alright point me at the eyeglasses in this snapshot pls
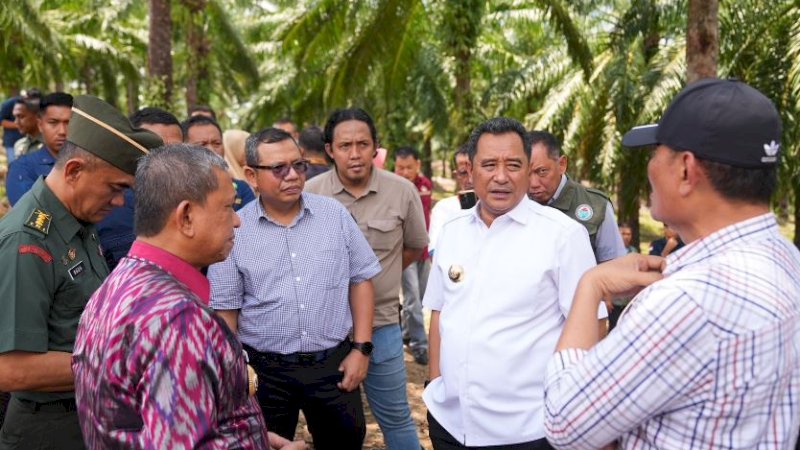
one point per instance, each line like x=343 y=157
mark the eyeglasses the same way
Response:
x=282 y=169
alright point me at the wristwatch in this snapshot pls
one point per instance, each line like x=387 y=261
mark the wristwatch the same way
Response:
x=364 y=347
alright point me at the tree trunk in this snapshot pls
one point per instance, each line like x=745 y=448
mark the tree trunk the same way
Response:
x=427 y=155
x=197 y=85
x=702 y=40
x=797 y=214
x=159 y=49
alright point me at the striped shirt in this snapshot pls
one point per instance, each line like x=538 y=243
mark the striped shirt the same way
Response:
x=707 y=358
x=291 y=283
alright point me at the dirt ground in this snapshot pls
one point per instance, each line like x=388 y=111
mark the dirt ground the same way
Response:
x=374 y=440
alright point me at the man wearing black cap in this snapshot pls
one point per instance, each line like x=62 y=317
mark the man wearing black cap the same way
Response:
x=52 y=262
x=706 y=355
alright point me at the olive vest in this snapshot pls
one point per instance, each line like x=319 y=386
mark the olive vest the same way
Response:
x=585 y=205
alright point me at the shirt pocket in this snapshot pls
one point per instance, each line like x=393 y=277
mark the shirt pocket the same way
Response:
x=383 y=234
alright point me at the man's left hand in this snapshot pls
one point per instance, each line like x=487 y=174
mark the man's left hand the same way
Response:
x=354 y=370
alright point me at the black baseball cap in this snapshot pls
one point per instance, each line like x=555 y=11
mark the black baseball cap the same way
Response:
x=725 y=121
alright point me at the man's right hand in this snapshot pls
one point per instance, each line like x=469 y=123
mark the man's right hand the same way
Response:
x=277 y=442
x=624 y=276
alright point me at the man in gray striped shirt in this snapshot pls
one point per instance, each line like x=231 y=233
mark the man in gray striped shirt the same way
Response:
x=296 y=283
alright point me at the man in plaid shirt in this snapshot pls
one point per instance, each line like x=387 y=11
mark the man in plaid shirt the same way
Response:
x=706 y=356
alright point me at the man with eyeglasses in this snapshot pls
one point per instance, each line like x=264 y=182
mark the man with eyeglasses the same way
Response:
x=549 y=185
x=297 y=282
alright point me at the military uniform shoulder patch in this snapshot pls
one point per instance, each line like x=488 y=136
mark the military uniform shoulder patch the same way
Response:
x=36 y=250
x=584 y=212
x=39 y=221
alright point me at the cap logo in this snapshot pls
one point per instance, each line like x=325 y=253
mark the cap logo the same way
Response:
x=111 y=129
x=771 y=150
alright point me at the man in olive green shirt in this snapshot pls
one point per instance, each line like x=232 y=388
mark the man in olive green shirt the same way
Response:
x=52 y=262
x=388 y=210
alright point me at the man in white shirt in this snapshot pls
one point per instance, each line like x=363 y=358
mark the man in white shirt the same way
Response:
x=447 y=208
x=501 y=284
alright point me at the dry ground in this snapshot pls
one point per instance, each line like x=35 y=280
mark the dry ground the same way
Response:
x=374 y=440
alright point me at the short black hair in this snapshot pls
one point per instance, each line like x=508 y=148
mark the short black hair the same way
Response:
x=55 y=99
x=548 y=140
x=311 y=140
x=266 y=136
x=195 y=121
x=31 y=99
x=153 y=115
x=462 y=149
x=345 y=114
x=405 y=152
x=495 y=126
x=754 y=186
x=202 y=108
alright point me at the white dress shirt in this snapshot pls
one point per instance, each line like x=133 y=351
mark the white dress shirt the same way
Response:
x=500 y=322
x=444 y=210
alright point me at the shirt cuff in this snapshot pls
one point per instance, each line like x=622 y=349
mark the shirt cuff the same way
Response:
x=561 y=361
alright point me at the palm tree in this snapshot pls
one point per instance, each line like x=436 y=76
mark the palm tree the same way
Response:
x=702 y=40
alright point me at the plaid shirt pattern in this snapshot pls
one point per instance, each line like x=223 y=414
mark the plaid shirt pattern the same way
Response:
x=706 y=358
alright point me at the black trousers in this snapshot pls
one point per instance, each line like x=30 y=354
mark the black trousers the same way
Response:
x=335 y=418
x=48 y=427
x=442 y=440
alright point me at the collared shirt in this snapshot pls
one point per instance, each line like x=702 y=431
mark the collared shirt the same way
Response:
x=156 y=368
x=292 y=282
x=51 y=264
x=10 y=135
x=27 y=144
x=706 y=358
x=425 y=189
x=24 y=171
x=608 y=240
x=390 y=216
x=499 y=323
x=444 y=210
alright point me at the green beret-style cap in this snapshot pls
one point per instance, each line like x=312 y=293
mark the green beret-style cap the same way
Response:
x=102 y=130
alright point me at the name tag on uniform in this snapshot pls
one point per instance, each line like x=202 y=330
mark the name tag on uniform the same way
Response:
x=76 y=270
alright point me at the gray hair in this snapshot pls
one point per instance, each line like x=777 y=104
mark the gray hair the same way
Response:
x=169 y=175
x=265 y=136
x=70 y=151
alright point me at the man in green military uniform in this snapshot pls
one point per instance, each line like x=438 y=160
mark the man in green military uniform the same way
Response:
x=52 y=262
x=549 y=185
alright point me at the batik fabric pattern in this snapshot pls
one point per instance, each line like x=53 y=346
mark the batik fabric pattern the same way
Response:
x=155 y=368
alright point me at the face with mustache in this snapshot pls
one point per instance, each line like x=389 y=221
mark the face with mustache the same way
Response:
x=277 y=193
x=499 y=173
x=352 y=150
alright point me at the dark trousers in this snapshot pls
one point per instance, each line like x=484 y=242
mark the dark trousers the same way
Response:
x=4 y=398
x=40 y=427
x=288 y=384
x=442 y=440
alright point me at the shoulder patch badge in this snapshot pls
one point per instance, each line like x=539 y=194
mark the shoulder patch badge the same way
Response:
x=584 y=212
x=39 y=221
x=36 y=250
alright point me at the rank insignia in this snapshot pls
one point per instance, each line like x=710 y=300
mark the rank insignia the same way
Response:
x=456 y=273
x=39 y=221
x=71 y=254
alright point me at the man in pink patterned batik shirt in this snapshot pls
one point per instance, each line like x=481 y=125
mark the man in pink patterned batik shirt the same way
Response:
x=154 y=365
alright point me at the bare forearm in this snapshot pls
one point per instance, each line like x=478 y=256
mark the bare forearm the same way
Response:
x=581 y=329
x=231 y=318
x=362 y=307
x=25 y=371
x=410 y=255
x=434 y=342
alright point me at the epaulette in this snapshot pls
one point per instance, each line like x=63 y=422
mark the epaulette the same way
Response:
x=39 y=221
x=598 y=192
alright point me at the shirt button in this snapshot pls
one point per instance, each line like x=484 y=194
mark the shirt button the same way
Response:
x=303 y=333
x=302 y=306
x=297 y=279
x=293 y=255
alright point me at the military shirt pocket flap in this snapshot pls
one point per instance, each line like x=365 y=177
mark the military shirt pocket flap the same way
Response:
x=383 y=234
